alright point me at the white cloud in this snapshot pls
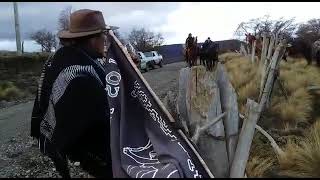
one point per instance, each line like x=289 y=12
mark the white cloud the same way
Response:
x=219 y=20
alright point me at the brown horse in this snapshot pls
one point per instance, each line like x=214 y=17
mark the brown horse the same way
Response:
x=209 y=55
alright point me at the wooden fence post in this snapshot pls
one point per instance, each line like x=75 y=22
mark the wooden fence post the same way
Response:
x=229 y=105
x=253 y=51
x=271 y=76
x=245 y=139
x=243 y=50
x=199 y=103
x=265 y=44
x=263 y=61
x=271 y=45
x=254 y=112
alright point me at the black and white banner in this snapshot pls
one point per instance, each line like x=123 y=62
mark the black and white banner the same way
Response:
x=143 y=143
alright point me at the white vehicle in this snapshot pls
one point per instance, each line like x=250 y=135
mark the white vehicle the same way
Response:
x=155 y=57
x=145 y=62
x=138 y=57
x=133 y=53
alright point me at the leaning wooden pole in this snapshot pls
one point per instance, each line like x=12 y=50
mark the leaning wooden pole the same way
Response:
x=245 y=139
x=254 y=112
x=243 y=50
x=272 y=75
x=271 y=45
x=229 y=105
x=253 y=51
x=263 y=66
x=265 y=43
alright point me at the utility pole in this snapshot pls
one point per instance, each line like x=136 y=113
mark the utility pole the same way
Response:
x=17 y=28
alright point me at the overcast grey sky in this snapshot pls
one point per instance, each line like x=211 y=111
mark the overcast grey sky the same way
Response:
x=173 y=19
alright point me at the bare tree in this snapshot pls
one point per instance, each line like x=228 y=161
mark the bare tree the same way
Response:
x=118 y=35
x=306 y=35
x=309 y=31
x=46 y=39
x=282 y=27
x=64 y=18
x=144 y=40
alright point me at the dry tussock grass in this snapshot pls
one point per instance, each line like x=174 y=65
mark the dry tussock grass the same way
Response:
x=296 y=109
x=244 y=78
x=303 y=160
x=258 y=167
x=302 y=155
x=8 y=91
x=293 y=81
x=247 y=91
x=229 y=56
x=296 y=76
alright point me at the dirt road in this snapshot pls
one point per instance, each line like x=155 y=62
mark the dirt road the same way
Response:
x=19 y=156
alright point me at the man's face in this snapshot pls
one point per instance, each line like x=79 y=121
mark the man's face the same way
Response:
x=99 y=44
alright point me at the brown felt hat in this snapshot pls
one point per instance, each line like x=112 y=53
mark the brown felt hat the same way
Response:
x=84 y=22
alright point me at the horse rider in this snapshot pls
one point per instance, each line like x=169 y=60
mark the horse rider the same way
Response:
x=189 y=44
x=206 y=43
x=189 y=41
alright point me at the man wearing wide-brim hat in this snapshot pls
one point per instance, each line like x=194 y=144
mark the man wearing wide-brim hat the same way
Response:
x=70 y=114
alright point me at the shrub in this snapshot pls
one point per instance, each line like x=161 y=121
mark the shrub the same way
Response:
x=8 y=91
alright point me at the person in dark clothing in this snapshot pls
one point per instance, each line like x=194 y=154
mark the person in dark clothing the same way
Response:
x=189 y=41
x=71 y=113
x=206 y=43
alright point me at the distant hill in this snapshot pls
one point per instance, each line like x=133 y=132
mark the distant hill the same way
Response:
x=173 y=52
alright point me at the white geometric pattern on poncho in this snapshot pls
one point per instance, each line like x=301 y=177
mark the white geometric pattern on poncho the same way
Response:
x=59 y=86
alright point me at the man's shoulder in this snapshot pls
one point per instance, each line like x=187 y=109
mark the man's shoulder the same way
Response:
x=85 y=87
x=74 y=71
x=71 y=62
x=63 y=51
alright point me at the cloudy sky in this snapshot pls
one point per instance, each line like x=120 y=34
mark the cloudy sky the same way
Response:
x=174 y=20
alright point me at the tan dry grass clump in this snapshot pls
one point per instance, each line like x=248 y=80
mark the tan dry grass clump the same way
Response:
x=258 y=167
x=247 y=91
x=8 y=91
x=225 y=57
x=303 y=159
x=295 y=75
x=296 y=109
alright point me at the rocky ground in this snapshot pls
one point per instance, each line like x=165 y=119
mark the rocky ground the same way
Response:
x=19 y=154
